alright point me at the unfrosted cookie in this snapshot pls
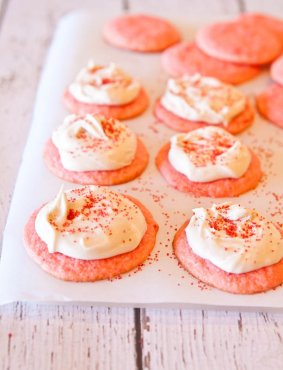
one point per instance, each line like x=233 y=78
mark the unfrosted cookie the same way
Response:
x=274 y=24
x=187 y=58
x=216 y=189
x=237 y=125
x=111 y=177
x=270 y=104
x=140 y=32
x=251 y=282
x=72 y=269
x=277 y=70
x=239 y=41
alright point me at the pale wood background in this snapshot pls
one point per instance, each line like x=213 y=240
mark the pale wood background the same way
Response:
x=87 y=337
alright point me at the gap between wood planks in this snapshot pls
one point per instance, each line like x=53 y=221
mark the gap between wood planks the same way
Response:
x=137 y=311
x=3 y=9
x=125 y=5
x=242 y=6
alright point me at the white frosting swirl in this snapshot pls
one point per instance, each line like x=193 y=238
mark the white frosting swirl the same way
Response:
x=203 y=99
x=108 y=85
x=90 y=223
x=234 y=238
x=94 y=143
x=208 y=154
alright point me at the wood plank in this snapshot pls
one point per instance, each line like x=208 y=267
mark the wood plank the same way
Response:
x=273 y=7
x=183 y=8
x=66 y=338
x=3 y=8
x=188 y=339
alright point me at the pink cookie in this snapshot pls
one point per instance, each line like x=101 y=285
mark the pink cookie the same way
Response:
x=275 y=25
x=270 y=104
x=140 y=32
x=216 y=189
x=72 y=269
x=277 y=70
x=240 y=41
x=187 y=58
x=256 y=281
x=237 y=124
x=113 y=177
x=120 y=112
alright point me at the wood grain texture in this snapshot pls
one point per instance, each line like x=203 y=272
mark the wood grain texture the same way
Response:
x=85 y=337
x=66 y=338
x=3 y=8
x=187 y=339
x=185 y=8
x=274 y=7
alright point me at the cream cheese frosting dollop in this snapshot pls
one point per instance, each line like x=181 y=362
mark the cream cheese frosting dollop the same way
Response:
x=94 y=143
x=208 y=154
x=109 y=85
x=203 y=99
x=90 y=223
x=234 y=238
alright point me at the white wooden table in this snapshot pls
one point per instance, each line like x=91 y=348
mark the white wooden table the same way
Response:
x=87 y=337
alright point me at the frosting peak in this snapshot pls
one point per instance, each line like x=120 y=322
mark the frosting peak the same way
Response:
x=90 y=125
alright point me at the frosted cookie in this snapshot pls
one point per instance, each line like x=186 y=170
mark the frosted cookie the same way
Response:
x=273 y=24
x=231 y=248
x=270 y=103
x=209 y=162
x=239 y=41
x=105 y=90
x=90 y=233
x=94 y=150
x=277 y=70
x=187 y=58
x=191 y=102
x=139 y=32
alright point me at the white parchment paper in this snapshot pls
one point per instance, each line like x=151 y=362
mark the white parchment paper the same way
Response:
x=160 y=282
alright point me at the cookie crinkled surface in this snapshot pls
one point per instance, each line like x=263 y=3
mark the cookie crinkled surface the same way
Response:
x=270 y=103
x=187 y=58
x=239 y=41
x=140 y=32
